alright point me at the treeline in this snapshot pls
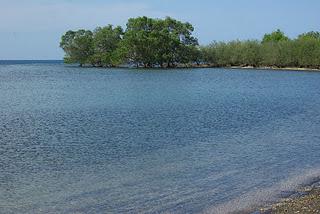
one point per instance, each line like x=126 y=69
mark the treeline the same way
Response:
x=275 y=50
x=148 y=42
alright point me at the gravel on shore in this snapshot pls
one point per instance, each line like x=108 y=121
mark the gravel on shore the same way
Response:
x=309 y=203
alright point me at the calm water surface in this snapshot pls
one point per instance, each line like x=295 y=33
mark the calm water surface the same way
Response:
x=76 y=140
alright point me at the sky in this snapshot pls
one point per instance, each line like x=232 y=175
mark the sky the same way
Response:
x=31 y=29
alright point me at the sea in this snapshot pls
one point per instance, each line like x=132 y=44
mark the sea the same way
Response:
x=118 y=140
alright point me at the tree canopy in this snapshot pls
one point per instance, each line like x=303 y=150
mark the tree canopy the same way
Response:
x=148 y=42
x=78 y=46
x=153 y=42
x=275 y=36
x=106 y=41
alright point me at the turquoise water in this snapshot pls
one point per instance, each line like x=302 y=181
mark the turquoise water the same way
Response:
x=85 y=140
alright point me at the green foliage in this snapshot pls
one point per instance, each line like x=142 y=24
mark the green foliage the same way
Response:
x=252 y=53
x=308 y=52
x=309 y=35
x=140 y=41
x=234 y=53
x=106 y=42
x=146 y=42
x=275 y=50
x=149 y=42
x=78 y=46
x=153 y=42
x=276 y=36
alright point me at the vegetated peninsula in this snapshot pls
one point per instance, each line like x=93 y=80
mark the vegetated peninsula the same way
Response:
x=166 y=43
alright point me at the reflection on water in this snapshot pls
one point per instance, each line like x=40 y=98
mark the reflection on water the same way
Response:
x=78 y=140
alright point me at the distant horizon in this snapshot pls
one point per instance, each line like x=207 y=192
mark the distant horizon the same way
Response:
x=31 y=60
x=61 y=59
x=32 y=29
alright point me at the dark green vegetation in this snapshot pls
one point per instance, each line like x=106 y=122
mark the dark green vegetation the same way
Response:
x=148 y=42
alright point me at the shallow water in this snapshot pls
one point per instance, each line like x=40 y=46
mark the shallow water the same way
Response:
x=84 y=140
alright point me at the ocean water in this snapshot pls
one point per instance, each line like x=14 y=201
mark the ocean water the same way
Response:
x=88 y=140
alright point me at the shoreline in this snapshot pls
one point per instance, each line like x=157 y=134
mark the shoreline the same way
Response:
x=293 y=193
x=305 y=199
x=276 y=68
x=210 y=66
x=258 y=68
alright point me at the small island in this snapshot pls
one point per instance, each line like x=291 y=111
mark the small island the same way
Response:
x=169 y=43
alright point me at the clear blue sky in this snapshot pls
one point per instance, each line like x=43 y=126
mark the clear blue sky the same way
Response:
x=31 y=29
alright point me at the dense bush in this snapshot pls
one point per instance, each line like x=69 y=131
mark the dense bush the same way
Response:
x=149 y=42
x=275 y=50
